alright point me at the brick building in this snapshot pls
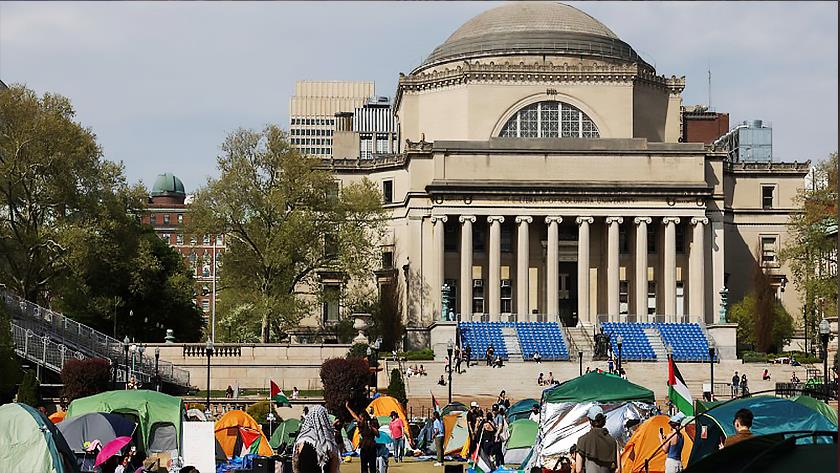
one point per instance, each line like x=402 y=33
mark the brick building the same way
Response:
x=699 y=125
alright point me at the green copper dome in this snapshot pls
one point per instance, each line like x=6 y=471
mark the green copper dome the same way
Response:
x=168 y=184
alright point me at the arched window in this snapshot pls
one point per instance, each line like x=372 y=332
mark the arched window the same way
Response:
x=550 y=119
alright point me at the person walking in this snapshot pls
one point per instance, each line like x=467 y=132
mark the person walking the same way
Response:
x=673 y=444
x=397 y=428
x=597 y=451
x=437 y=427
x=487 y=433
x=467 y=354
x=502 y=435
x=315 y=447
x=736 y=381
x=743 y=422
x=457 y=360
x=368 y=431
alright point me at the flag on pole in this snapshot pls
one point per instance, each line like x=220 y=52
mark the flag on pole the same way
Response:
x=278 y=396
x=678 y=391
x=480 y=462
x=435 y=404
x=250 y=440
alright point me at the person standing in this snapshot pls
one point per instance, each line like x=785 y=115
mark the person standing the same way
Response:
x=473 y=421
x=502 y=435
x=367 y=439
x=597 y=451
x=743 y=422
x=437 y=428
x=744 y=390
x=610 y=365
x=315 y=448
x=674 y=445
x=736 y=381
x=467 y=354
x=397 y=428
x=487 y=433
x=457 y=360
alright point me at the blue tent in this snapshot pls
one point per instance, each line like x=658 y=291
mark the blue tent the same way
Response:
x=771 y=415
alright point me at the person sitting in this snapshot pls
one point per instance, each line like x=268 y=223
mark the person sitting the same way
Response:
x=537 y=357
x=422 y=371
x=550 y=380
x=442 y=381
x=766 y=375
x=295 y=393
x=540 y=380
x=229 y=392
x=498 y=363
x=794 y=379
x=588 y=370
x=534 y=416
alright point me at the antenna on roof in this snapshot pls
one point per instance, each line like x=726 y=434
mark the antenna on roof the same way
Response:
x=710 y=86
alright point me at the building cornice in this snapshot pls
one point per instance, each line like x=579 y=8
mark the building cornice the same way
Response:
x=769 y=168
x=607 y=189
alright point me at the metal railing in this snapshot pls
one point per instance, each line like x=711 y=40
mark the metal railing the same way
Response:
x=77 y=337
x=42 y=350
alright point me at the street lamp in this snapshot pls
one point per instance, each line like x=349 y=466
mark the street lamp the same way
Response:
x=125 y=349
x=825 y=329
x=580 y=361
x=141 y=349
x=133 y=350
x=449 y=349
x=620 y=341
x=157 y=378
x=131 y=318
x=270 y=418
x=208 y=348
x=712 y=373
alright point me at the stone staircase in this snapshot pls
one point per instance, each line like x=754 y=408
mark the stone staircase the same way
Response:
x=656 y=343
x=511 y=340
x=579 y=339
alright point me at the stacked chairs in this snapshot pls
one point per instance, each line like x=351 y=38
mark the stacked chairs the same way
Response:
x=480 y=335
x=543 y=337
x=635 y=344
x=687 y=340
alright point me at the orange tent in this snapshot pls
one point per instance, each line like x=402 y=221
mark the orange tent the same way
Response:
x=382 y=407
x=57 y=416
x=644 y=443
x=228 y=434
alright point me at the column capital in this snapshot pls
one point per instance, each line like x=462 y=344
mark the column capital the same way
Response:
x=639 y=220
x=495 y=218
x=611 y=220
x=553 y=219
x=439 y=218
x=524 y=218
x=699 y=220
x=670 y=220
x=464 y=218
x=582 y=220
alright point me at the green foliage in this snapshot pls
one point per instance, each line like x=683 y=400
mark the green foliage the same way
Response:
x=345 y=380
x=259 y=410
x=744 y=314
x=9 y=365
x=758 y=357
x=426 y=354
x=284 y=220
x=750 y=356
x=29 y=391
x=344 y=330
x=385 y=308
x=396 y=387
x=86 y=377
x=358 y=350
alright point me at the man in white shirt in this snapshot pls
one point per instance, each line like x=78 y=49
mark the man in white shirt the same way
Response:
x=535 y=414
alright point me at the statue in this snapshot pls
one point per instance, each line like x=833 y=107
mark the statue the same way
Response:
x=446 y=312
x=602 y=341
x=724 y=295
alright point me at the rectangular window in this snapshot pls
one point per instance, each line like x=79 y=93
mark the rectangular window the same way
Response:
x=332 y=192
x=388 y=192
x=450 y=237
x=152 y=219
x=165 y=237
x=768 y=249
x=767 y=196
x=478 y=238
x=219 y=240
x=205 y=305
x=506 y=240
x=679 y=238
x=179 y=239
x=382 y=144
x=206 y=239
x=166 y=219
x=623 y=243
x=332 y=297
x=387 y=260
x=180 y=219
x=623 y=297
x=651 y=298
x=451 y=299
x=330 y=246
x=651 y=238
x=680 y=300
x=366 y=148
x=478 y=296
x=192 y=240
x=506 y=297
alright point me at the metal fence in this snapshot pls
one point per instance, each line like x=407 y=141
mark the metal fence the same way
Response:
x=41 y=322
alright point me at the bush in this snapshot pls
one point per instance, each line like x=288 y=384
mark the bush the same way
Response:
x=196 y=405
x=345 y=379
x=259 y=410
x=754 y=357
x=396 y=387
x=425 y=354
x=86 y=377
x=29 y=392
x=358 y=350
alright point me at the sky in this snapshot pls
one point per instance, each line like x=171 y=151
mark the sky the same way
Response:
x=162 y=83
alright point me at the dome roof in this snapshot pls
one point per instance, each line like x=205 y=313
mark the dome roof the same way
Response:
x=167 y=184
x=532 y=28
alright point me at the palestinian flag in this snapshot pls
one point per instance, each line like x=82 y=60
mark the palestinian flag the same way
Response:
x=278 y=396
x=678 y=391
x=250 y=440
x=480 y=462
x=435 y=404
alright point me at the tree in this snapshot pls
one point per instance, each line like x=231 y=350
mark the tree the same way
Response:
x=286 y=221
x=385 y=309
x=29 y=391
x=9 y=365
x=344 y=380
x=762 y=320
x=259 y=410
x=811 y=251
x=396 y=387
x=86 y=377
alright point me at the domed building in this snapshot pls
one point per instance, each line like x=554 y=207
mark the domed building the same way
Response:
x=542 y=177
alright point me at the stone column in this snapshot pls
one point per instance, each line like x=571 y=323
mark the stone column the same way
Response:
x=438 y=222
x=612 y=266
x=466 y=265
x=583 y=268
x=495 y=266
x=669 y=269
x=552 y=270
x=641 y=267
x=697 y=270
x=522 y=249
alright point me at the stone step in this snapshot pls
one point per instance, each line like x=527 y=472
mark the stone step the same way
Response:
x=656 y=343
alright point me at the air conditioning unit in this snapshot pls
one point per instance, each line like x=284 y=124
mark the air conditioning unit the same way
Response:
x=478 y=283
x=505 y=282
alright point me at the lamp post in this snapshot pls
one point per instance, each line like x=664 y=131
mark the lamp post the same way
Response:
x=208 y=348
x=669 y=353
x=133 y=350
x=620 y=342
x=825 y=330
x=125 y=349
x=157 y=377
x=449 y=349
x=712 y=373
x=270 y=418
x=141 y=349
x=130 y=317
x=580 y=363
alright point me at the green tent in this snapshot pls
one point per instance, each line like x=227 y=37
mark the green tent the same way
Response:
x=521 y=409
x=523 y=435
x=31 y=442
x=159 y=415
x=282 y=433
x=818 y=406
x=597 y=387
